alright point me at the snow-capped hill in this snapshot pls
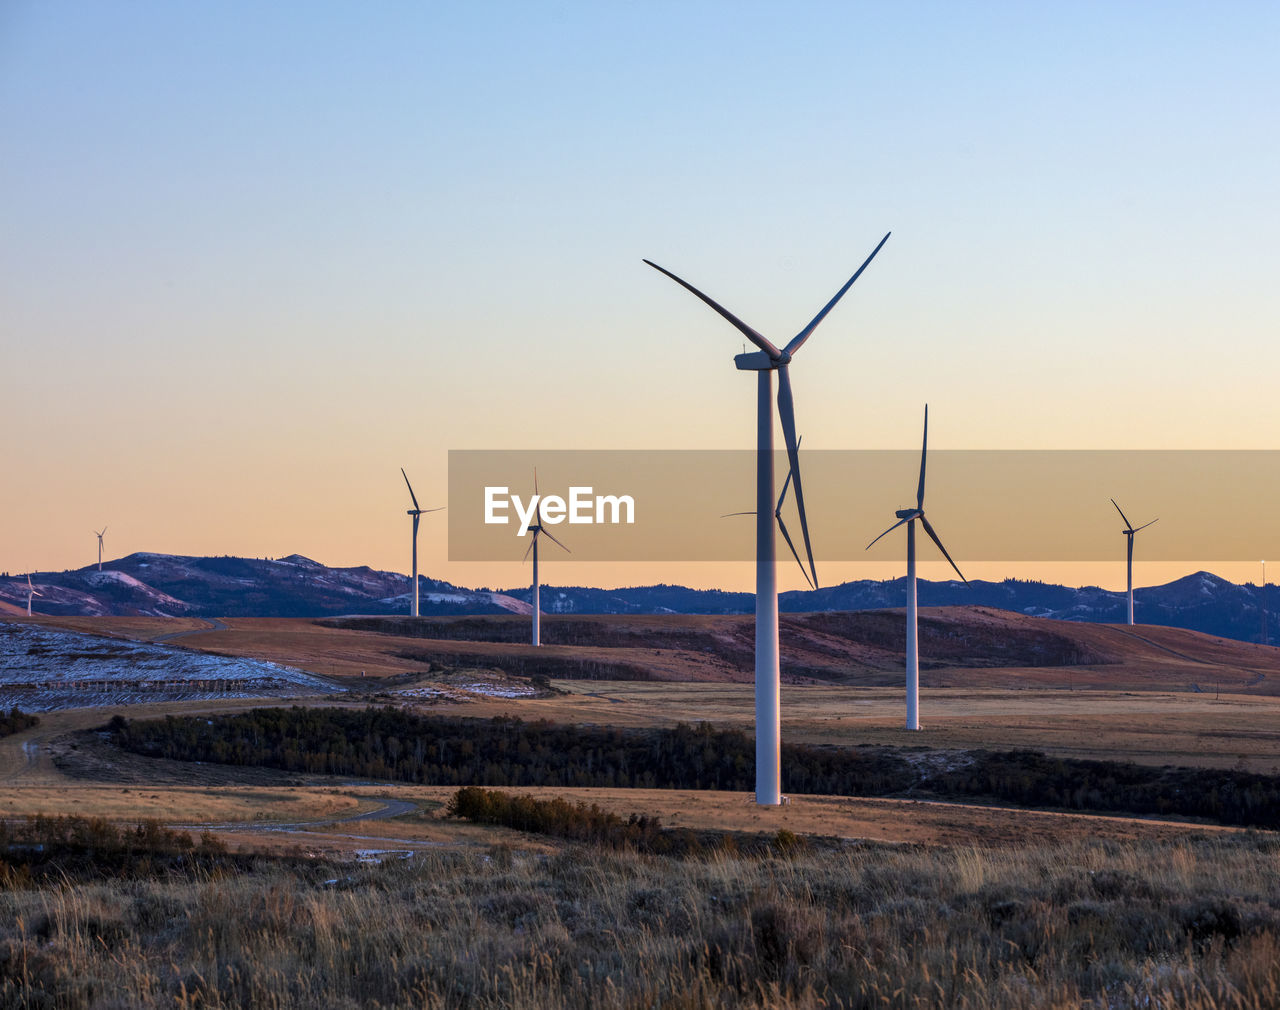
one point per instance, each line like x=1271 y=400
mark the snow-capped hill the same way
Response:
x=148 y=583
x=298 y=561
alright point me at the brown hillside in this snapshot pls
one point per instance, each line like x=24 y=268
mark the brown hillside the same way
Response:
x=959 y=646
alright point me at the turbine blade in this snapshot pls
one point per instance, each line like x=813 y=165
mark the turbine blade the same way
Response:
x=761 y=341
x=530 y=547
x=1145 y=525
x=440 y=509
x=787 y=537
x=786 y=410
x=729 y=515
x=887 y=532
x=785 y=484
x=556 y=542
x=803 y=335
x=924 y=449
x=410 y=486
x=934 y=537
x=1123 y=516
x=535 y=486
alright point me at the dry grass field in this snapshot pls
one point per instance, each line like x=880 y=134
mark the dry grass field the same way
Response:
x=182 y=805
x=339 y=893
x=55 y=768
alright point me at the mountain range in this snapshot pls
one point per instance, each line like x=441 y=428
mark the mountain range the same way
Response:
x=295 y=586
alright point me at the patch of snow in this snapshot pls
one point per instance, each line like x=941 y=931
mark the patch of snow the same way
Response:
x=459 y=690
x=510 y=603
x=379 y=855
x=102 y=578
x=42 y=670
x=445 y=597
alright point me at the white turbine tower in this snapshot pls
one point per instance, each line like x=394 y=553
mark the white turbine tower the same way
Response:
x=31 y=591
x=417 y=514
x=1129 y=531
x=537 y=530
x=99 y=536
x=767 y=360
x=909 y=516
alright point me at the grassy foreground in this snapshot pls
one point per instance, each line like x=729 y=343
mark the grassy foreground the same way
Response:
x=1193 y=924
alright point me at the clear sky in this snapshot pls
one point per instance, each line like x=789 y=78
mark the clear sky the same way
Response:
x=254 y=258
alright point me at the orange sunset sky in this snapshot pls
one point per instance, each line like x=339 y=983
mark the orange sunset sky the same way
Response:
x=256 y=260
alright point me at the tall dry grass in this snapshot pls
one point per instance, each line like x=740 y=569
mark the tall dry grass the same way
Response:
x=1193 y=925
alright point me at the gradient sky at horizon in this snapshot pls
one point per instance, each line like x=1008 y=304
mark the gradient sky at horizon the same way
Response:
x=256 y=258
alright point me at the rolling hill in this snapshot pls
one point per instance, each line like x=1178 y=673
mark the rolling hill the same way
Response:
x=151 y=584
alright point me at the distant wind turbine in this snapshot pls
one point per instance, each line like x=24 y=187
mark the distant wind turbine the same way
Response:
x=417 y=514
x=764 y=362
x=31 y=591
x=1129 y=531
x=538 y=531
x=909 y=516
x=99 y=536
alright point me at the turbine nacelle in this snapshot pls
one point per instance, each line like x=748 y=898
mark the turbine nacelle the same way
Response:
x=909 y=513
x=760 y=361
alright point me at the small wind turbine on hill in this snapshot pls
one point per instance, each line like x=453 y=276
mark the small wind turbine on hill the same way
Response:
x=99 y=536
x=31 y=591
x=764 y=362
x=1129 y=531
x=538 y=531
x=417 y=514
x=909 y=516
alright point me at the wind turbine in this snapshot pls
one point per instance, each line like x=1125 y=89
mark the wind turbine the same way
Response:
x=767 y=360
x=417 y=514
x=99 y=536
x=538 y=531
x=1129 y=531
x=909 y=516
x=782 y=526
x=31 y=591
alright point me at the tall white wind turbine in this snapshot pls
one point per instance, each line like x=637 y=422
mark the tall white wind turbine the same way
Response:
x=538 y=531
x=1129 y=531
x=909 y=516
x=31 y=591
x=417 y=514
x=764 y=362
x=99 y=536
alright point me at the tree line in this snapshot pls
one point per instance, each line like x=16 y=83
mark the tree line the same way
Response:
x=588 y=823
x=16 y=720
x=390 y=743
